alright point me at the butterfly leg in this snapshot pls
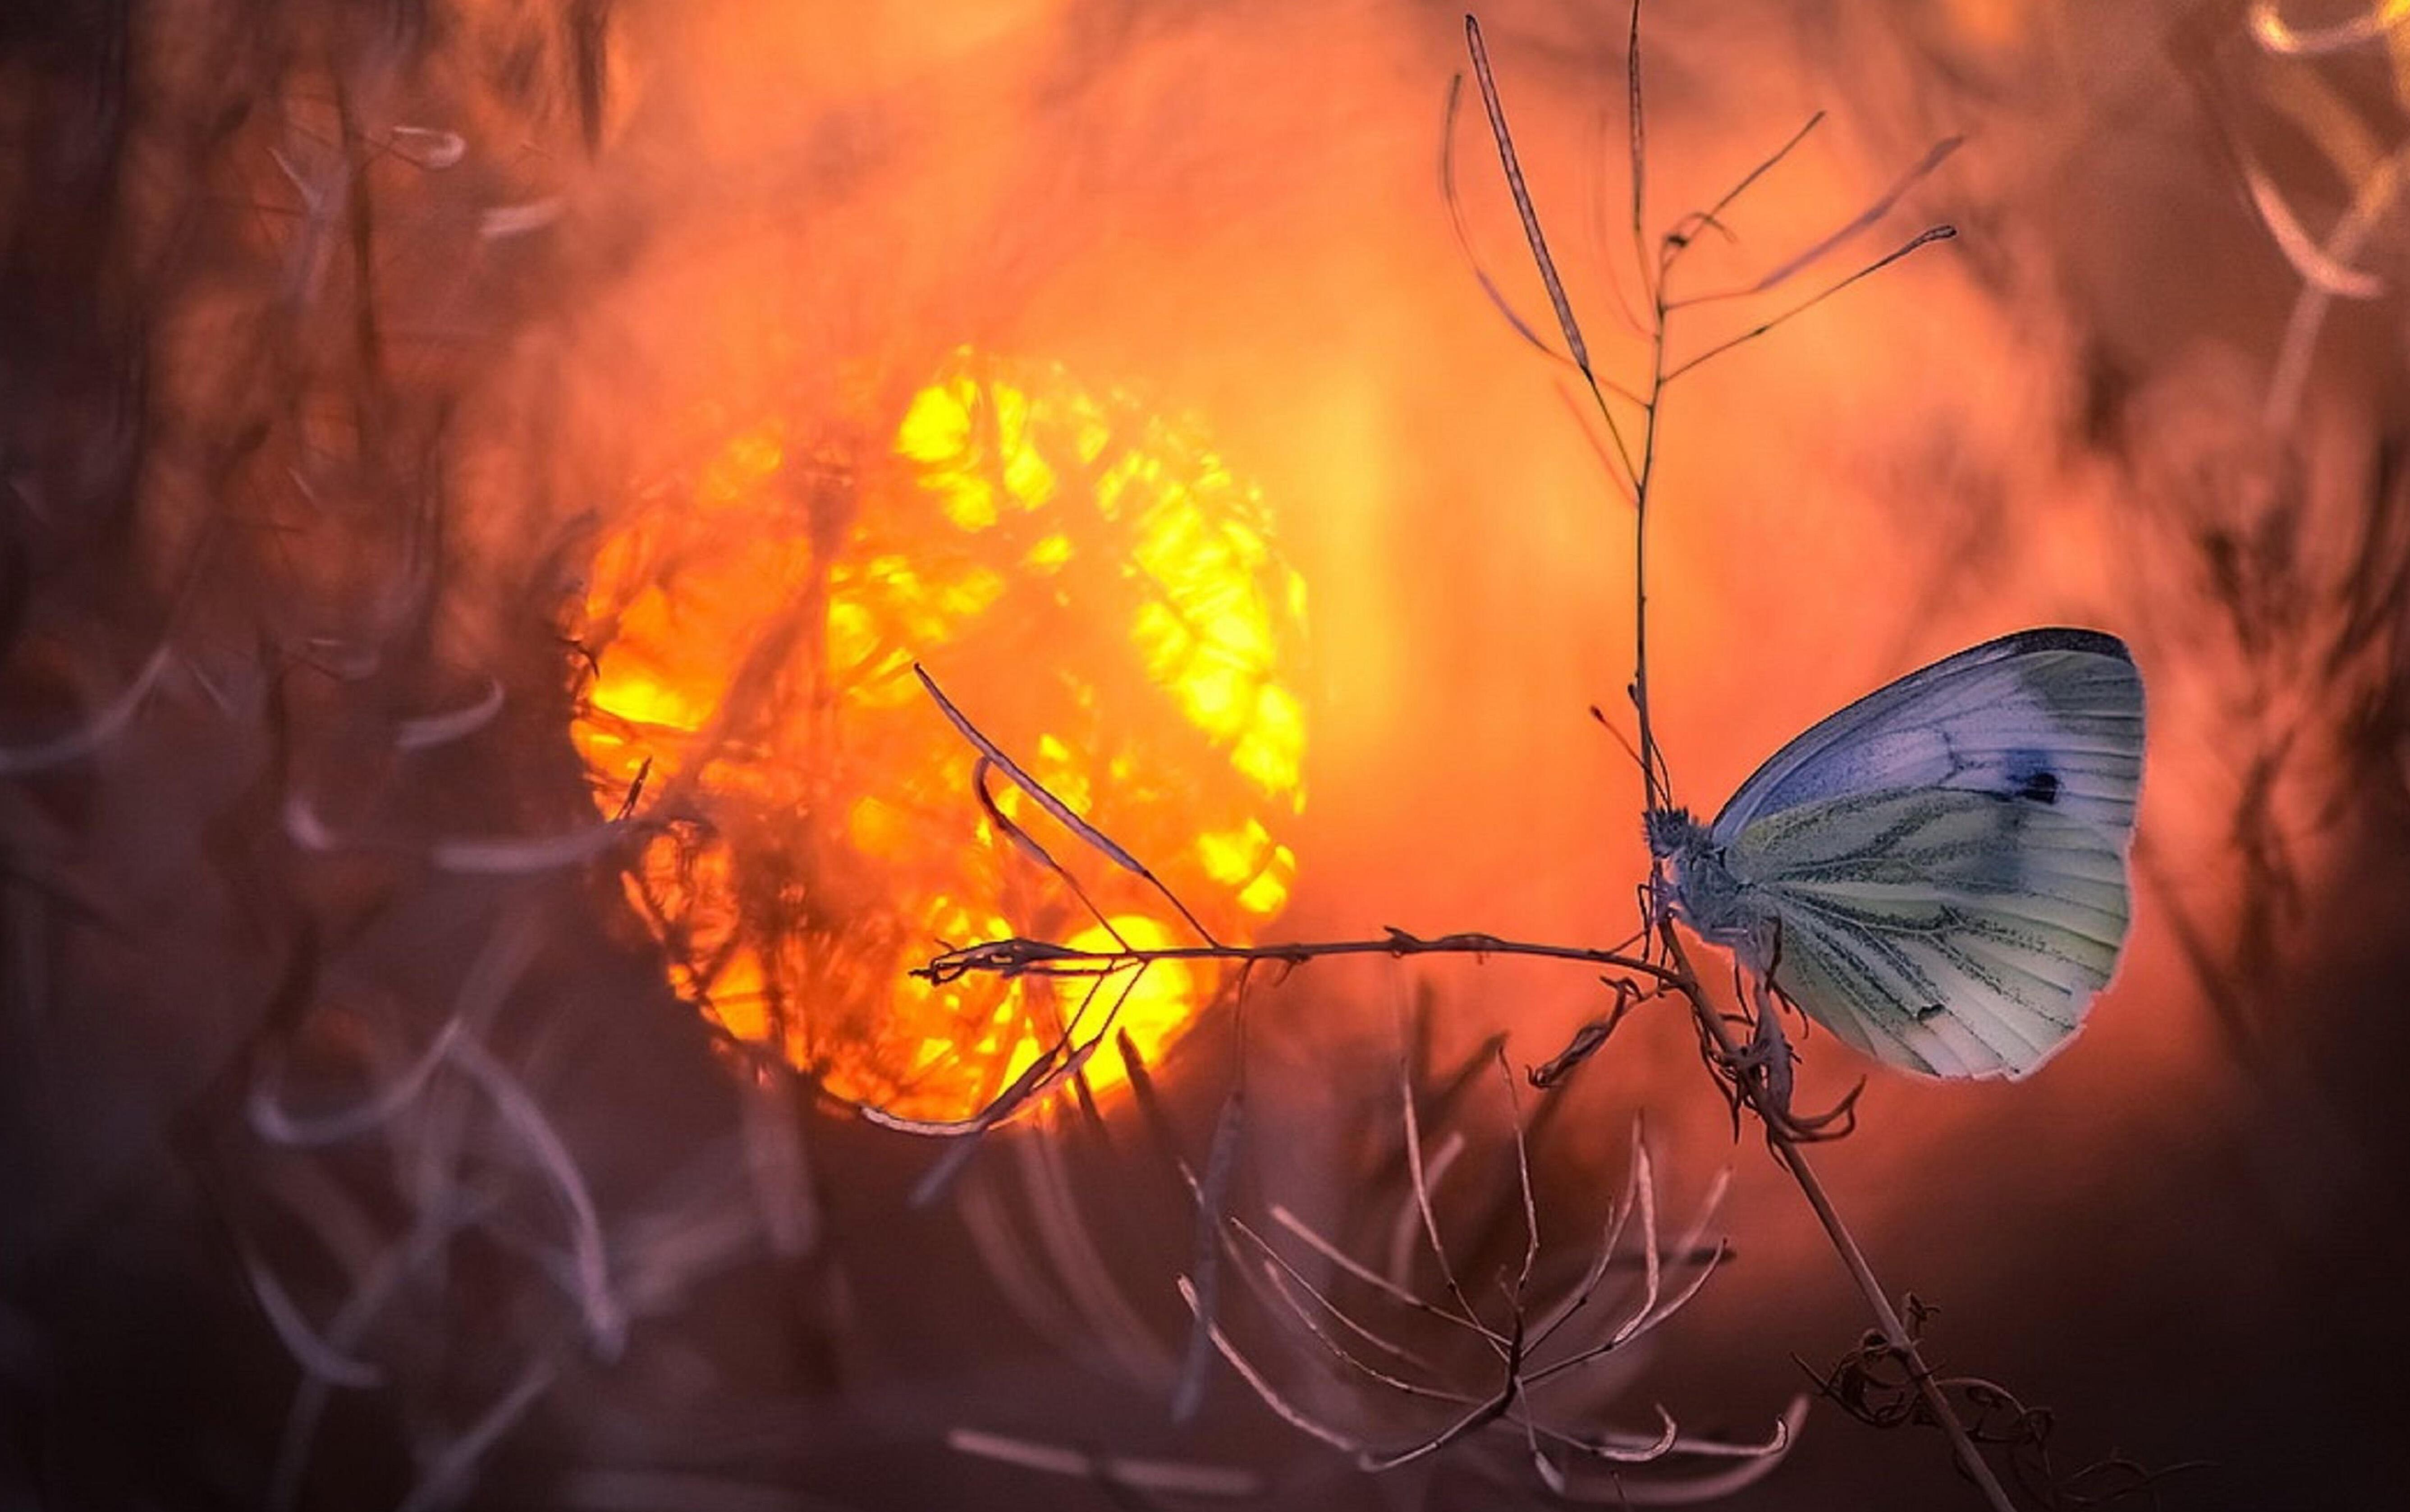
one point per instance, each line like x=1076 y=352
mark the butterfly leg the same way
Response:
x=1655 y=908
x=1768 y=1056
x=1764 y=1066
x=1833 y=1123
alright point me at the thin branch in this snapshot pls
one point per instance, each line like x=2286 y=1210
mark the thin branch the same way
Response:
x=1407 y=1226
x=1652 y=1253
x=1512 y=166
x=1473 y=1421
x=1703 y=1448
x=1188 y=1391
x=1713 y=215
x=1606 y=459
x=1286 y=1284
x=1619 y=1213
x=436 y=1223
x=1029 y=846
x=1639 y=138
x=1021 y=956
x=1282 y=1407
x=1522 y=1180
x=1669 y=1434
x=1550 y=1475
x=1844 y=1242
x=1588 y=1040
x=1599 y=224
x=1051 y=1069
x=1363 y=1272
x=1637 y=1326
x=1686 y=1491
x=1094 y=838
x=1417 y=1177
x=1505 y=306
x=1934 y=157
x=1922 y=239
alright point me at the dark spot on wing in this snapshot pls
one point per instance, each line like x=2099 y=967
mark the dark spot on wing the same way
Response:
x=1927 y=1011
x=2027 y=775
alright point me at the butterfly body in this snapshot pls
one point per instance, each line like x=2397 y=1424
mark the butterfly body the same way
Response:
x=1936 y=873
x=1701 y=888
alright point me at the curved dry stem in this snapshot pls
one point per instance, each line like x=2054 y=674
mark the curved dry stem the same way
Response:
x=458 y=1460
x=1286 y=1283
x=427 y=732
x=1266 y=1392
x=2279 y=35
x=1844 y=1242
x=589 y=1272
x=102 y=728
x=1174 y=1478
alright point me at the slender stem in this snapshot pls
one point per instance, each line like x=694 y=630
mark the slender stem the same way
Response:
x=1649 y=763
x=1651 y=766
x=1786 y=1148
x=1019 y=955
x=1844 y=1243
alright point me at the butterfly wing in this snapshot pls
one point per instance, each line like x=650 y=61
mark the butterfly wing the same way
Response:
x=1953 y=933
x=2056 y=714
x=1946 y=857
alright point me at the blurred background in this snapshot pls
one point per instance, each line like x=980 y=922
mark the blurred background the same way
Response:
x=474 y=475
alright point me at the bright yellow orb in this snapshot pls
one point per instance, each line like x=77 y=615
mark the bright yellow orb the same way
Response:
x=1090 y=580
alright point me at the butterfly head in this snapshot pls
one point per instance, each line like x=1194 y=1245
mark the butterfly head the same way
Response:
x=1671 y=832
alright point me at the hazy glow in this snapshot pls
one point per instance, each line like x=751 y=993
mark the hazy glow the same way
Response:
x=823 y=837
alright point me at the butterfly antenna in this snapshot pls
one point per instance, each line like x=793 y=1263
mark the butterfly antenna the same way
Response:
x=1620 y=738
x=1654 y=776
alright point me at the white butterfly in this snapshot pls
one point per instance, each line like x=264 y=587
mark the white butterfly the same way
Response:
x=1936 y=873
